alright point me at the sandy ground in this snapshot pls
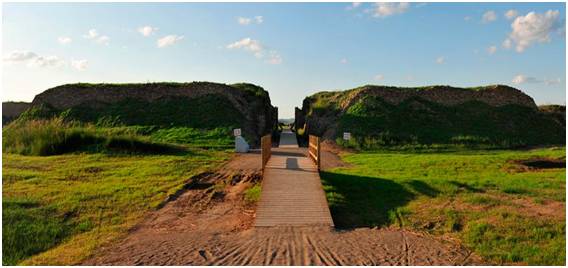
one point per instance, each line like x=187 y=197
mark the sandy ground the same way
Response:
x=212 y=227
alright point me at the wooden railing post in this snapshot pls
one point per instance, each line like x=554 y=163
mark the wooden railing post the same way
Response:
x=265 y=149
x=319 y=158
x=314 y=150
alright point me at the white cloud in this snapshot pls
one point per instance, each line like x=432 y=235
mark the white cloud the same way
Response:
x=244 y=21
x=64 y=40
x=19 y=55
x=147 y=30
x=274 y=58
x=34 y=60
x=511 y=14
x=80 y=65
x=256 y=48
x=491 y=50
x=489 y=16
x=550 y=82
x=533 y=28
x=91 y=34
x=343 y=61
x=440 y=60
x=353 y=5
x=379 y=77
x=169 y=40
x=247 y=21
x=382 y=10
x=248 y=44
x=467 y=18
x=47 y=61
x=522 y=79
x=103 y=40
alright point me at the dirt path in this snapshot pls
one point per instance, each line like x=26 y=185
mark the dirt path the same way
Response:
x=207 y=227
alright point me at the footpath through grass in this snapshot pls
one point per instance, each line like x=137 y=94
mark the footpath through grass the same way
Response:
x=505 y=212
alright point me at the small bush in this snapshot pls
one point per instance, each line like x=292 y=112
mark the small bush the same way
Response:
x=252 y=194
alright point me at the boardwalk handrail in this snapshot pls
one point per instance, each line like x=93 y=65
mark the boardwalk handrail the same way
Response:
x=314 y=150
x=265 y=145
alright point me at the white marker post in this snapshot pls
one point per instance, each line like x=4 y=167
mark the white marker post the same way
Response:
x=237 y=132
x=241 y=146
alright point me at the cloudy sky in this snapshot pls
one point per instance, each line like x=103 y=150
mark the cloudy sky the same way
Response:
x=292 y=50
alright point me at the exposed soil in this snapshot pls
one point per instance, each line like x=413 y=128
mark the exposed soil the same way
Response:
x=329 y=154
x=211 y=225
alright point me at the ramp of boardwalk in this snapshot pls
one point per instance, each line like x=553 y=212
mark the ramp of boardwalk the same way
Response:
x=292 y=193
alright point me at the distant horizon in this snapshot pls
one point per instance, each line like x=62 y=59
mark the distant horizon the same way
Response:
x=292 y=50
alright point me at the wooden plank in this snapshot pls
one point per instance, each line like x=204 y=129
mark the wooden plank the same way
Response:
x=292 y=194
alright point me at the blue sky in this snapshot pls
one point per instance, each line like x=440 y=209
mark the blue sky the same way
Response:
x=291 y=49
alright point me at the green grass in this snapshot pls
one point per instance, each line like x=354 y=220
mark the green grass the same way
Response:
x=215 y=138
x=65 y=206
x=479 y=197
x=70 y=187
x=252 y=194
x=375 y=123
x=57 y=136
x=175 y=112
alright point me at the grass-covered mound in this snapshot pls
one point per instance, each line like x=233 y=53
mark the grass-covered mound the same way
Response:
x=197 y=105
x=415 y=117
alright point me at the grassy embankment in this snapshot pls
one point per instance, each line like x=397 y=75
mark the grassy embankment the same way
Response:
x=71 y=187
x=418 y=123
x=504 y=212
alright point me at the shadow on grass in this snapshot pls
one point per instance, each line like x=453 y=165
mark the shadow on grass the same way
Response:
x=29 y=228
x=423 y=188
x=358 y=201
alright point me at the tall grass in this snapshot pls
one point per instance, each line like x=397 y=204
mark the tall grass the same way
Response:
x=46 y=137
x=57 y=136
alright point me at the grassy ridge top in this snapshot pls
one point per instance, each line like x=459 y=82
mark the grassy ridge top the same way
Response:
x=246 y=87
x=420 y=88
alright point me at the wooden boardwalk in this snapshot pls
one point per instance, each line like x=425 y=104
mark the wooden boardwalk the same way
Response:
x=292 y=193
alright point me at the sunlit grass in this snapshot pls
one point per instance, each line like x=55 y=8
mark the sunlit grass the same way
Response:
x=479 y=197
